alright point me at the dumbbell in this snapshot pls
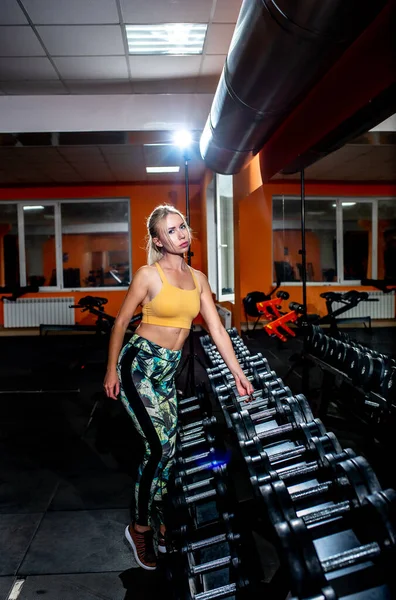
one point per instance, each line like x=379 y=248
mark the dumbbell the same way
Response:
x=216 y=488
x=274 y=458
x=289 y=432
x=223 y=550
x=247 y=430
x=259 y=399
x=244 y=363
x=206 y=454
x=205 y=437
x=196 y=427
x=299 y=475
x=357 y=482
x=374 y=543
x=194 y=480
x=228 y=590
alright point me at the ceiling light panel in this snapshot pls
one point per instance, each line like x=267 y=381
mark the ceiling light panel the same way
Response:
x=162 y=169
x=166 y=38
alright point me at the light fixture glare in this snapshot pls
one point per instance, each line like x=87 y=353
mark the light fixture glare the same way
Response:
x=182 y=138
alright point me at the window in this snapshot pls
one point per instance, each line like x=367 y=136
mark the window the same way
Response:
x=357 y=239
x=40 y=251
x=95 y=244
x=65 y=245
x=320 y=240
x=347 y=239
x=9 y=247
x=386 y=239
x=220 y=235
x=225 y=237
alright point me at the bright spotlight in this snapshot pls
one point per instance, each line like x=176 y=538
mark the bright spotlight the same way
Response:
x=183 y=139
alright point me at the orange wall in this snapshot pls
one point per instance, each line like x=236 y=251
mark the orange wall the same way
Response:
x=143 y=199
x=255 y=233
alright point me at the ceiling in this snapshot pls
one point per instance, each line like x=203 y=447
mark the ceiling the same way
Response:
x=370 y=157
x=64 y=56
x=93 y=162
x=79 y=46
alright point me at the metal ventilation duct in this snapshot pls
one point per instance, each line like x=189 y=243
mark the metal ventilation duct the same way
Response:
x=279 y=49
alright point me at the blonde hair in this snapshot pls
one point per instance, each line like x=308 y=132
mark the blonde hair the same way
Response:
x=155 y=253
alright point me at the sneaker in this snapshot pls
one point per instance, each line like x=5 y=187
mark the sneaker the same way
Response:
x=161 y=543
x=142 y=546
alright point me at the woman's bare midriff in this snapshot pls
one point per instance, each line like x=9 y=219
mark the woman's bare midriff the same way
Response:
x=172 y=338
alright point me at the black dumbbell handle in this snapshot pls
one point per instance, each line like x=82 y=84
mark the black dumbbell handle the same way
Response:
x=195 y=457
x=296 y=452
x=191 y=436
x=185 y=411
x=316 y=490
x=196 y=442
x=213 y=565
x=202 y=496
x=195 y=470
x=190 y=487
x=225 y=591
x=351 y=557
x=216 y=539
x=212 y=541
x=330 y=512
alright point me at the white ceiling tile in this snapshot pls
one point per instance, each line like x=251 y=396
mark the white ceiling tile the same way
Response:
x=26 y=68
x=186 y=85
x=11 y=13
x=166 y=11
x=109 y=86
x=227 y=11
x=218 y=38
x=82 y=40
x=164 y=67
x=72 y=12
x=92 y=67
x=19 y=40
x=33 y=88
x=213 y=64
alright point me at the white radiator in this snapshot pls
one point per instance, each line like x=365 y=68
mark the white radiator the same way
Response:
x=383 y=309
x=33 y=312
x=225 y=315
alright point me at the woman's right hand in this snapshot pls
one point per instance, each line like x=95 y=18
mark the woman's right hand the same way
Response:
x=111 y=384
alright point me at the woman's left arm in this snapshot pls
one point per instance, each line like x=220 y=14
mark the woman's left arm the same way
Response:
x=221 y=338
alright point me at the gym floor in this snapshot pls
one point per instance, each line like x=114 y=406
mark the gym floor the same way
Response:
x=65 y=488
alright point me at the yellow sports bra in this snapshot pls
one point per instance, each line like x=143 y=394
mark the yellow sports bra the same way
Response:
x=172 y=306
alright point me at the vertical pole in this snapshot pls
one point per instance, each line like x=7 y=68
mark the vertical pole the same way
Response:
x=187 y=188
x=190 y=379
x=303 y=248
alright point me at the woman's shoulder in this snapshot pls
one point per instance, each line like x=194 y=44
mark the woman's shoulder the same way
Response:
x=146 y=272
x=198 y=274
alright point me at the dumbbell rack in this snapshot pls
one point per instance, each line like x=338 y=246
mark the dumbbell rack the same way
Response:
x=322 y=506
x=204 y=542
x=370 y=376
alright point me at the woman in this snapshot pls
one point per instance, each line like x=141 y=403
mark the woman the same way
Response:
x=171 y=294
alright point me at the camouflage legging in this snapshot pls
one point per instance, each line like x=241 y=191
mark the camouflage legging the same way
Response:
x=147 y=375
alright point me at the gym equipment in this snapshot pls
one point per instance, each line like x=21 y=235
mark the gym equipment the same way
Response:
x=316 y=495
x=369 y=544
x=251 y=300
x=104 y=322
x=349 y=300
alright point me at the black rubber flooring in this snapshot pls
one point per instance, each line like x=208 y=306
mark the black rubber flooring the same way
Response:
x=65 y=489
